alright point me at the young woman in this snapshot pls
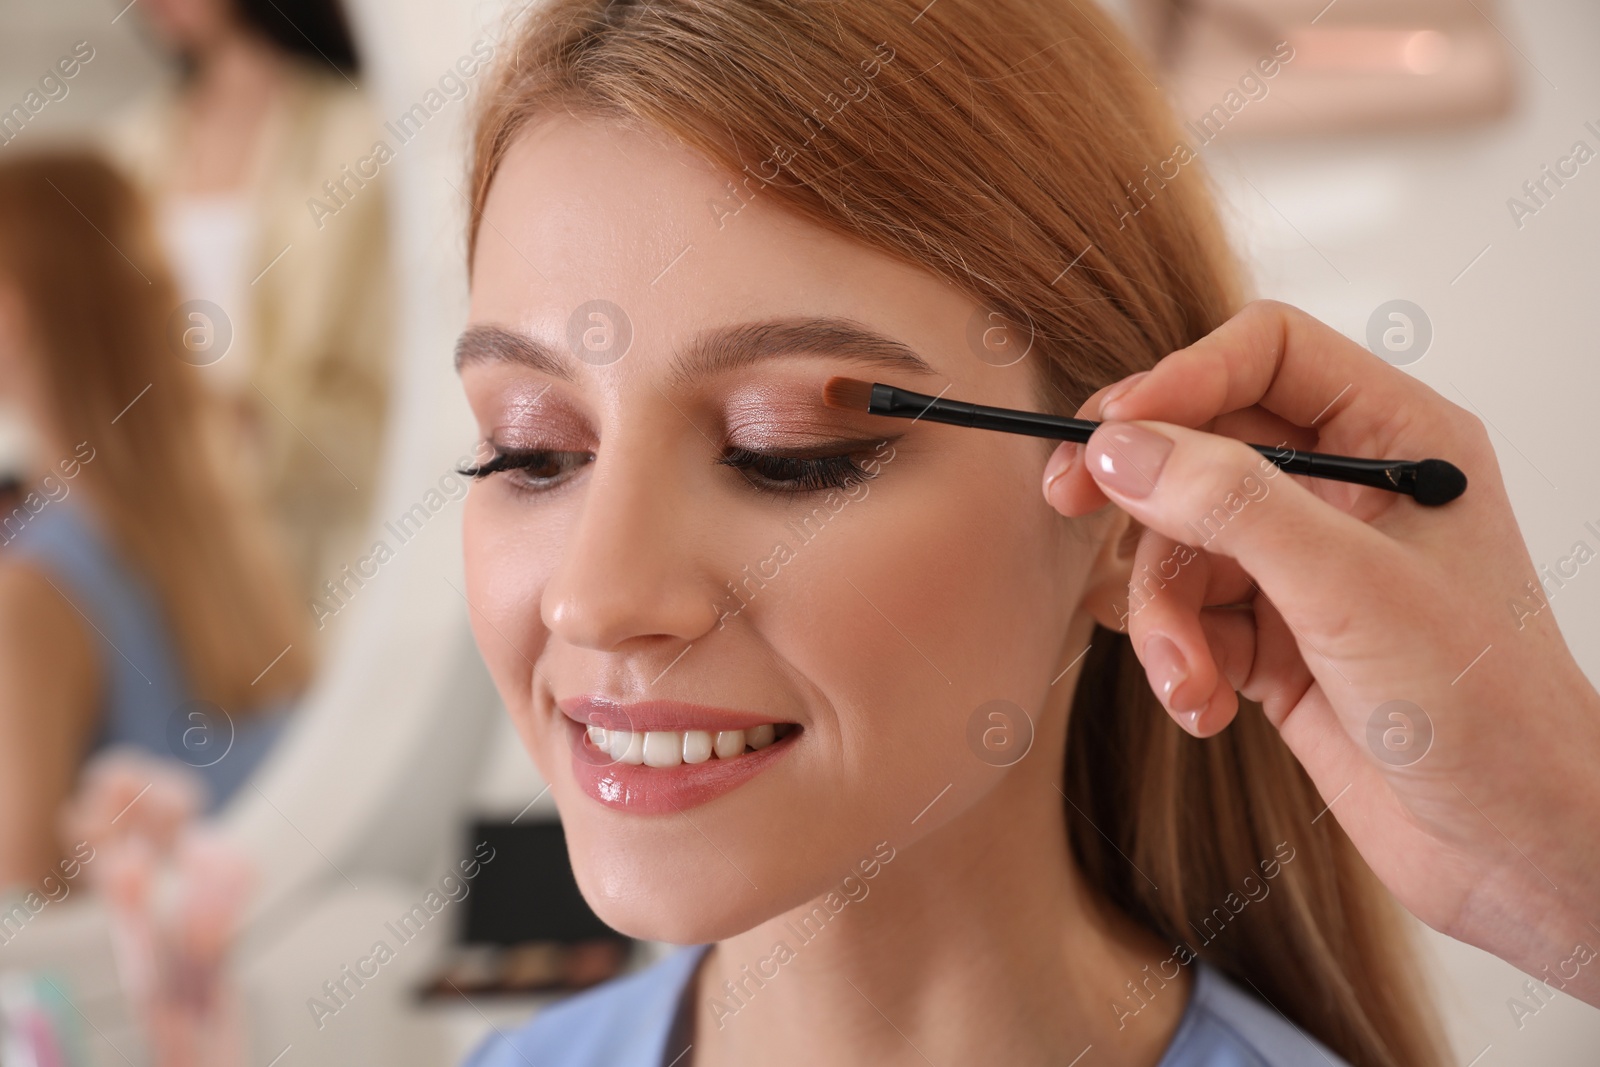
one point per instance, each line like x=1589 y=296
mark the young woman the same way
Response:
x=259 y=162
x=140 y=603
x=838 y=698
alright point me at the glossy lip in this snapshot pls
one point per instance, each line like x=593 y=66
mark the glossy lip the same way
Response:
x=590 y=710
x=642 y=790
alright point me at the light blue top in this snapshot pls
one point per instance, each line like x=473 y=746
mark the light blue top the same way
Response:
x=146 y=700
x=626 y=1023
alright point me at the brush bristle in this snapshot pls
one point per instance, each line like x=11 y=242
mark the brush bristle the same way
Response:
x=849 y=393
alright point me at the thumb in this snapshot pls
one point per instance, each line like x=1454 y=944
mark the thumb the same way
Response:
x=1319 y=566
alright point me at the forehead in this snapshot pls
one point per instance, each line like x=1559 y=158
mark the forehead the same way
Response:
x=584 y=210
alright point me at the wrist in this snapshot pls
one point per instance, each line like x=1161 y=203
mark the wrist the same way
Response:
x=1546 y=933
x=1567 y=959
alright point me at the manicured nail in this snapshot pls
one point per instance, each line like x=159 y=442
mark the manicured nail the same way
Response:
x=1165 y=666
x=1168 y=670
x=1128 y=458
x=1061 y=461
x=1120 y=390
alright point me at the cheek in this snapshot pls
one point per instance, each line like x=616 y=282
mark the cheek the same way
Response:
x=507 y=562
x=916 y=607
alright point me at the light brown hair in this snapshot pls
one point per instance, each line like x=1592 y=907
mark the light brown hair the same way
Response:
x=996 y=144
x=76 y=244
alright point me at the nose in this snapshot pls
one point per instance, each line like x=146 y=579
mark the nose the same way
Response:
x=632 y=569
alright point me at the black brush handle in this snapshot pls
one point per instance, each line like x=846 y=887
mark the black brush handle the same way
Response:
x=1429 y=481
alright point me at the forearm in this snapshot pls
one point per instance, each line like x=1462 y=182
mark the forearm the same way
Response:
x=1541 y=911
x=32 y=792
x=47 y=713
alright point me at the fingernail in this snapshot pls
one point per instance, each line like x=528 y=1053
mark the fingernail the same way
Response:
x=1168 y=670
x=1061 y=461
x=1128 y=458
x=1165 y=666
x=1120 y=390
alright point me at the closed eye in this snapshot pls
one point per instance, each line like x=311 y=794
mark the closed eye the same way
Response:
x=532 y=470
x=790 y=472
x=781 y=473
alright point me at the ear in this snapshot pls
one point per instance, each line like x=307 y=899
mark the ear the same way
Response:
x=1106 y=594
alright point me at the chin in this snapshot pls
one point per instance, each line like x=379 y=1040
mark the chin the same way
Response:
x=657 y=892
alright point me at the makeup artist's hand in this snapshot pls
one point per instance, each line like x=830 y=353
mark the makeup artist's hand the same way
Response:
x=1406 y=654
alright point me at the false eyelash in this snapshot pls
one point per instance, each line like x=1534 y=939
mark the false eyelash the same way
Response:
x=795 y=474
x=525 y=460
x=766 y=472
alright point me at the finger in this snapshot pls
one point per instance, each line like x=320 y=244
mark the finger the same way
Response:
x=1279 y=357
x=1159 y=560
x=1195 y=656
x=1165 y=597
x=1233 y=636
x=1067 y=486
x=1316 y=563
x=1277 y=677
x=1260 y=426
x=1068 y=489
x=1232 y=639
x=1256 y=659
x=1072 y=491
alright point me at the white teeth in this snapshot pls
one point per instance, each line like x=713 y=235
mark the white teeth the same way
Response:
x=616 y=743
x=696 y=746
x=668 y=748
x=662 y=749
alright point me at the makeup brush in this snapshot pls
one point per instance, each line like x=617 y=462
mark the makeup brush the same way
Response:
x=1430 y=481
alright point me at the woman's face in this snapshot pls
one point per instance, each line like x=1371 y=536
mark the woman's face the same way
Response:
x=188 y=25
x=645 y=342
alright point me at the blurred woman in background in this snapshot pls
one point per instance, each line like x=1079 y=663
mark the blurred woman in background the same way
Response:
x=238 y=155
x=141 y=601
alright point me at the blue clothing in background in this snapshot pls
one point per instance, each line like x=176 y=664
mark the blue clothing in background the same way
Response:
x=626 y=1023
x=146 y=700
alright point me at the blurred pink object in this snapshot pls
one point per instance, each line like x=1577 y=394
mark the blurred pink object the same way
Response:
x=176 y=889
x=1285 y=67
x=127 y=792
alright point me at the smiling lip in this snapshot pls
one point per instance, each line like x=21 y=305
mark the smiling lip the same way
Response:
x=646 y=790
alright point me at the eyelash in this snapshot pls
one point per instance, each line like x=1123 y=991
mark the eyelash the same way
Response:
x=767 y=472
x=523 y=462
x=784 y=475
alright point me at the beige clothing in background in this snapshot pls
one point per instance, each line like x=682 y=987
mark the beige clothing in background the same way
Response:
x=312 y=410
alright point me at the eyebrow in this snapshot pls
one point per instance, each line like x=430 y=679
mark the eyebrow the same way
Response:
x=714 y=351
